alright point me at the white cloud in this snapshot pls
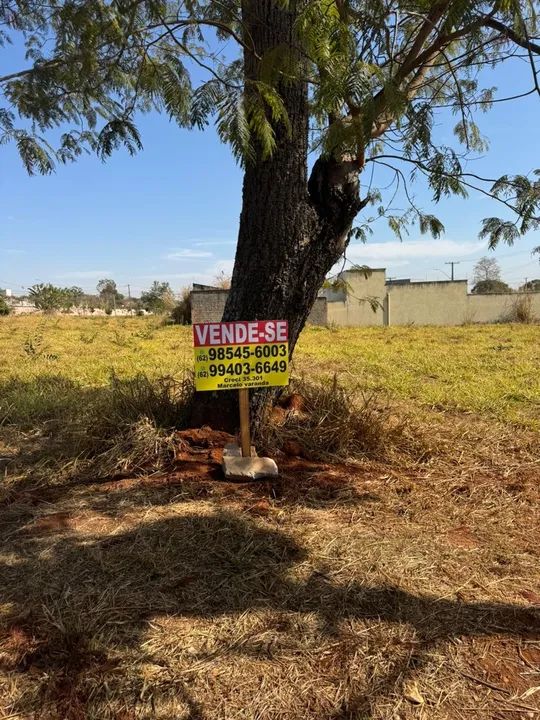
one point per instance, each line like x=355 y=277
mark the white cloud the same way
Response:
x=158 y=275
x=14 y=251
x=207 y=277
x=417 y=249
x=203 y=243
x=187 y=253
x=225 y=266
x=399 y=263
x=83 y=274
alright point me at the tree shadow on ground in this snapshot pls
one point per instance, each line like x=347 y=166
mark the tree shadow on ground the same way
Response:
x=65 y=430
x=66 y=418
x=78 y=600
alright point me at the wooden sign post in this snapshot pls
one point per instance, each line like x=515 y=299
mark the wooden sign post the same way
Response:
x=238 y=356
x=245 y=434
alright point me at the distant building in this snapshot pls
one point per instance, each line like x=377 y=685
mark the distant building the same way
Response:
x=398 y=281
x=362 y=301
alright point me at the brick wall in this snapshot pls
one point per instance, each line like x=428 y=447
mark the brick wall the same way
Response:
x=208 y=306
x=319 y=312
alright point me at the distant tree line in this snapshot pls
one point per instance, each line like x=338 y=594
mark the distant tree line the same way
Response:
x=487 y=279
x=159 y=299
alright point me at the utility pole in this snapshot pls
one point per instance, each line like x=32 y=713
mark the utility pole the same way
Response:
x=452 y=263
x=129 y=299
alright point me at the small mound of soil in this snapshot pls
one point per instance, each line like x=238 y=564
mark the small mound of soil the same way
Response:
x=203 y=437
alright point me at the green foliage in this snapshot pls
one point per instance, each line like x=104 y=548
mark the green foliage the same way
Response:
x=531 y=286
x=159 y=299
x=115 y=133
x=430 y=224
x=181 y=313
x=468 y=134
x=339 y=284
x=50 y=298
x=75 y=294
x=377 y=75
x=109 y=295
x=491 y=287
x=4 y=307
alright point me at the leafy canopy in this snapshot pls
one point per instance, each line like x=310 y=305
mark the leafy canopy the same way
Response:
x=491 y=287
x=159 y=298
x=379 y=72
x=531 y=286
x=49 y=298
x=108 y=293
x=4 y=307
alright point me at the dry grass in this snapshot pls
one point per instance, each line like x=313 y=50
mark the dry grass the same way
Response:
x=68 y=431
x=338 y=592
x=522 y=310
x=326 y=421
x=404 y=585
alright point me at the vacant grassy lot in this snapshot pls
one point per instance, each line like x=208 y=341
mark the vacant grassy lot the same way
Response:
x=402 y=585
x=492 y=370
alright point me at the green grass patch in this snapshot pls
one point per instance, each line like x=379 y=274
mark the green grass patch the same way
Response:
x=491 y=370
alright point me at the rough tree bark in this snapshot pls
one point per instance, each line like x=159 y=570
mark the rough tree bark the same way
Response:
x=292 y=230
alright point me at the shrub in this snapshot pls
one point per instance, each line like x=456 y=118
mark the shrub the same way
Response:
x=4 y=307
x=50 y=298
x=181 y=313
x=491 y=287
x=522 y=311
x=159 y=299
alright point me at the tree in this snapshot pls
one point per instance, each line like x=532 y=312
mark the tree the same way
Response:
x=181 y=313
x=491 y=287
x=159 y=299
x=531 y=286
x=4 y=307
x=75 y=295
x=49 y=298
x=222 y=280
x=486 y=269
x=108 y=293
x=364 y=81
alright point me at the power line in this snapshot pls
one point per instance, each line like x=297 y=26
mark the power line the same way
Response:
x=503 y=257
x=452 y=263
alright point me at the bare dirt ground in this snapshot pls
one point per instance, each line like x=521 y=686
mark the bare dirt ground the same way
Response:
x=405 y=587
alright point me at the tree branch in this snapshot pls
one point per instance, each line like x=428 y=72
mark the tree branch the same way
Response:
x=510 y=34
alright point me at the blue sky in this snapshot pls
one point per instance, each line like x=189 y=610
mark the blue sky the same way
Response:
x=171 y=212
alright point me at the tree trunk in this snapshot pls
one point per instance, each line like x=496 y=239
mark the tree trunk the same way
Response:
x=292 y=231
